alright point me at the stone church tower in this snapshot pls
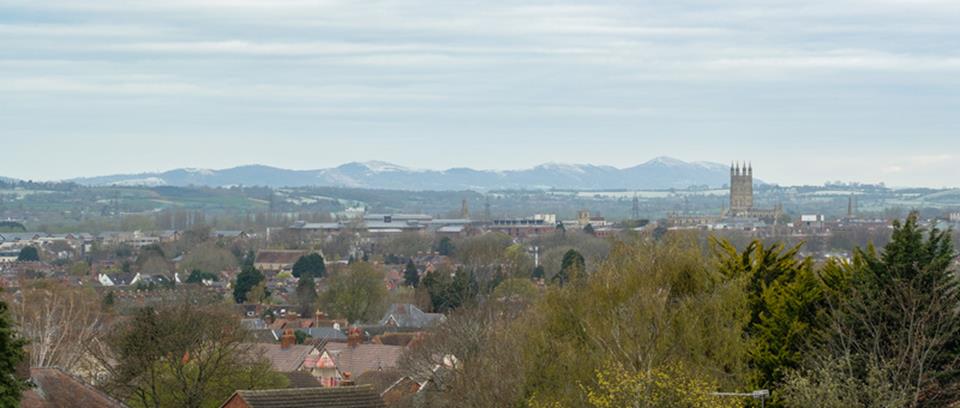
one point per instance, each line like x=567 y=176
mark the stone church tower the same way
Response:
x=741 y=188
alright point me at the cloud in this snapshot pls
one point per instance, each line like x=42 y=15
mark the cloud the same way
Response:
x=716 y=78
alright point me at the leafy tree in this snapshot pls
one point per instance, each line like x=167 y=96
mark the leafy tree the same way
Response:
x=208 y=256
x=445 y=247
x=516 y=290
x=670 y=386
x=651 y=306
x=357 y=293
x=198 y=276
x=829 y=384
x=411 y=275
x=79 y=268
x=311 y=264
x=406 y=244
x=246 y=280
x=572 y=268
x=183 y=356
x=11 y=354
x=28 y=254
x=482 y=250
x=516 y=263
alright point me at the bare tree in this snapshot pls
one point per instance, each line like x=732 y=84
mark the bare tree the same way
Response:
x=57 y=321
x=182 y=356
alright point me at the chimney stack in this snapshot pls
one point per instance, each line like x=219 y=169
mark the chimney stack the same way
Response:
x=347 y=380
x=288 y=339
x=353 y=337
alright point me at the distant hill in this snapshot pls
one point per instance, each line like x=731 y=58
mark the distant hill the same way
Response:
x=659 y=173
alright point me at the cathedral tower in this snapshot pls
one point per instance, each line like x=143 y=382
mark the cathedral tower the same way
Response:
x=741 y=188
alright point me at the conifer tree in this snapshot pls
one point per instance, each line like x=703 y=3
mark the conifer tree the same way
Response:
x=11 y=354
x=410 y=274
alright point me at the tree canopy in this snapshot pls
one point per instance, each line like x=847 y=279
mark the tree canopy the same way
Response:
x=357 y=293
x=247 y=279
x=183 y=356
x=28 y=254
x=312 y=264
x=11 y=354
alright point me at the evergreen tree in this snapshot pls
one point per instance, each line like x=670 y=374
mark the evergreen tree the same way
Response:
x=588 y=229
x=28 y=254
x=109 y=300
x=312 y=265
x=246 y=280
x=411 y=275
x=450 y=291
x=307 y=293
x=905 y=307
x=539 y=272
x=198 y=276
x=786 y=305
x=445 y=247
x=572 y=268
x=11 y=354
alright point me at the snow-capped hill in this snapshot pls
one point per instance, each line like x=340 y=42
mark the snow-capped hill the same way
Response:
x=659 y=173
x=203 y=172
x=564 y=167
x=667 y=161
x=141 y=182
x=382 y=166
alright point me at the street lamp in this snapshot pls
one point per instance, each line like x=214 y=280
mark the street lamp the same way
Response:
x=761 y=395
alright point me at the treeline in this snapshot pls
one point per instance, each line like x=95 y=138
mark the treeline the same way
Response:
x=662 y=323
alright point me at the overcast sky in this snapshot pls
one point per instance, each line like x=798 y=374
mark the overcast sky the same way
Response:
x=809 y=91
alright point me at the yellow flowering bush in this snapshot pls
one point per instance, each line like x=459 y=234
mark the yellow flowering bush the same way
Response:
x=668 y=386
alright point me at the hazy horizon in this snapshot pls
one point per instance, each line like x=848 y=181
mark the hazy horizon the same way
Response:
x=758 y=171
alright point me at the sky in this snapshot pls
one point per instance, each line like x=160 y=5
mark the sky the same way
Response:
x=812 y=91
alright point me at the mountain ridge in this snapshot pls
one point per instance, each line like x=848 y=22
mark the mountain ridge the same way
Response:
x=659 y=173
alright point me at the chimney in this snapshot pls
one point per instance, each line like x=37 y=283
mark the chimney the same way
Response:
x=347 y=380
x=288 y=339
x=354 y=338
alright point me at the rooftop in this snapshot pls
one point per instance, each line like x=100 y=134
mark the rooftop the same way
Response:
x=362 y=396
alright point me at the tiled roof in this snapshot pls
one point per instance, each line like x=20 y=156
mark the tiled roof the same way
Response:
x=325 y=333
x=407 y=315
x=284 y=360
x=362 y=358
x=362 y=396
x=302 y=379
x=55 y=388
